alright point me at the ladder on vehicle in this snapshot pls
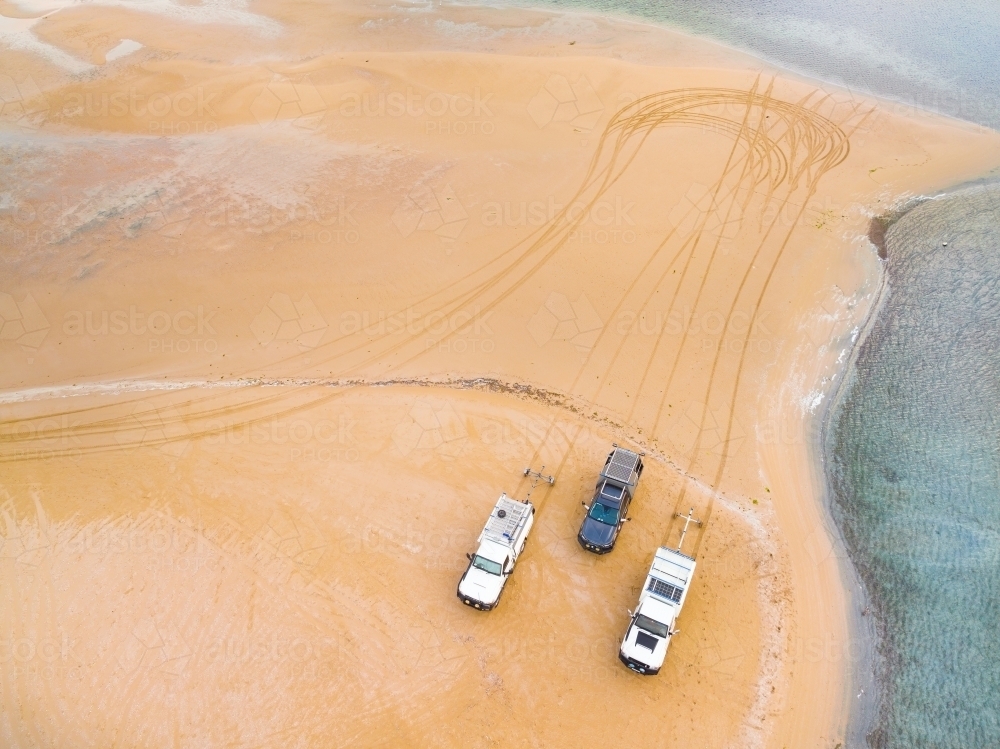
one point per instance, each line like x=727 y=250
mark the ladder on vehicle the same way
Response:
x=507 y=519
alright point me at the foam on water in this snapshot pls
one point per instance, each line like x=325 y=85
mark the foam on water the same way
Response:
x=914 y=462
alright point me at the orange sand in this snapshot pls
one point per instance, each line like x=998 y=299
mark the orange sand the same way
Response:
x=297 y=302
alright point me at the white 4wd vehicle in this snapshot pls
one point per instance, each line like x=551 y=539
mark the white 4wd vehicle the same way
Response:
x=653 y=622
x=500 y=544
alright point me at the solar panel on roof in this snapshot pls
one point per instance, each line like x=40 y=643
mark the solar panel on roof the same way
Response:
x=618 y=472
x=623 y=464
x=664 y=590
x=646 y=641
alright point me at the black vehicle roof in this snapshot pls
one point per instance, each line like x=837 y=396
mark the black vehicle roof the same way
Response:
x=611 y=501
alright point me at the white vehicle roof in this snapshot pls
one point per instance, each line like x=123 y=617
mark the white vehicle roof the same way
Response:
x=672 y=566
x=658 y=610
x=506 y=521
x=493 y=551
x=669 y=577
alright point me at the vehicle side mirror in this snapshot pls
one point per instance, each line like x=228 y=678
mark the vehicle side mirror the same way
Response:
x=630 y=614
x=468 y=556
x=674 y=632
x=585 y=506
x=625 y=520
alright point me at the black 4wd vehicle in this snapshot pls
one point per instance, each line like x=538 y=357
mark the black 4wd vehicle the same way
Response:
x=606 y=513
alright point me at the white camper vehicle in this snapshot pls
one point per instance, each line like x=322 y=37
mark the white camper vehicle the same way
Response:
x=500 y=544
x=660 y=602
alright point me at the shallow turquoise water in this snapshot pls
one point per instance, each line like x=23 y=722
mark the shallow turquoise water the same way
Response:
x=914 y=461
x=938 y=55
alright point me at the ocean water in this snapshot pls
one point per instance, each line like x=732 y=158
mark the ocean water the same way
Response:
x=913 y=457
x=933 y=54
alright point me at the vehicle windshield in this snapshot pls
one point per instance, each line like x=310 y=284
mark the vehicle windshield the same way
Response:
x=612 y=492
x=486 y=565
x=653 y=627
x=603 y=513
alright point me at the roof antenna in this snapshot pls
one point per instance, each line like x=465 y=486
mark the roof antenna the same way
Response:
x=688 y=519
x=537 y=476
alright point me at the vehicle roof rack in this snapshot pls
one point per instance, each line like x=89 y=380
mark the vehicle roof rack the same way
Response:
x=506 y=518
x=623 y=466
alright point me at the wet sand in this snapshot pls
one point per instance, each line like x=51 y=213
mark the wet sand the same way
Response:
x=295 y=296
